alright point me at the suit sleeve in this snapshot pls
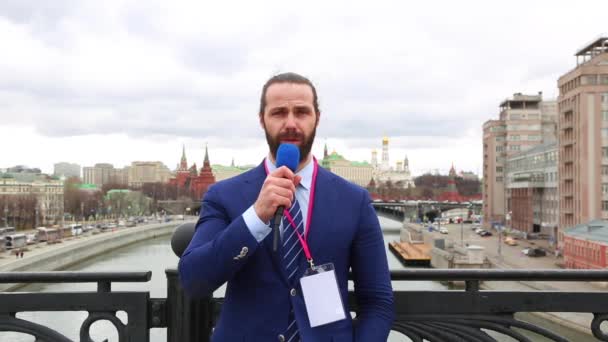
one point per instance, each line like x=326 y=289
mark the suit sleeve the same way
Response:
x=373 y=288
x=218 y=250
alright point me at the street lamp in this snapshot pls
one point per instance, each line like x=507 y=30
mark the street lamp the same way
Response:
x=5 y=215
x=81 y=211
x=36 y=217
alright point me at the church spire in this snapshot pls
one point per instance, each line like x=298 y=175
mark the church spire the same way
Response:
x=183 y=165
x=452 y=171
x=206 y=161
x=325 y=151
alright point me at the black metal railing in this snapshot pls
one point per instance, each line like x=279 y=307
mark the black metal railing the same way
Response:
x=446 y=315
x=101 y=305
x=472 y=314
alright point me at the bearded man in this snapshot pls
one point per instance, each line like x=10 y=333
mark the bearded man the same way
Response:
x=329 y=228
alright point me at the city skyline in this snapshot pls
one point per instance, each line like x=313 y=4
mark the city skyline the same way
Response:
x=394 y=160
x=102 y=82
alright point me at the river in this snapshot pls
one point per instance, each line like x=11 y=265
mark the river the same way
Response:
x=156 y=255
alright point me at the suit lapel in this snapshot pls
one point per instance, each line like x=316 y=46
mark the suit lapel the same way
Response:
x=323 y=214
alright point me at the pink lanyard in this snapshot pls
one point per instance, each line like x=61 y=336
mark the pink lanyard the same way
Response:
x=311 y=201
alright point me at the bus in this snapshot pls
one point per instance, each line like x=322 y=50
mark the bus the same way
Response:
x=15 y=241
x=47 y=234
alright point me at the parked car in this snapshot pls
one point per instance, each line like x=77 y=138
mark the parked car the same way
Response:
x=76 y=229
x=30 y=239
x=485 y=233
x=534 y=252
x=443 y=230
x=479 y=230
x=510 y=241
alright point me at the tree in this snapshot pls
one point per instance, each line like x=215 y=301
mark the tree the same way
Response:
x=468 y=187
x=20 y=210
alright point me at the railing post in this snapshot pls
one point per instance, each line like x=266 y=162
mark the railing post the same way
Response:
x=187 y=320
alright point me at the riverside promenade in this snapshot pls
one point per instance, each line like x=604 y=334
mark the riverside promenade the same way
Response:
x=511 y=257
x=44 y=257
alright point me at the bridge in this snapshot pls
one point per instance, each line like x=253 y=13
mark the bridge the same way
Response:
x=179 y=207
x=419 y=209
x=435 y=316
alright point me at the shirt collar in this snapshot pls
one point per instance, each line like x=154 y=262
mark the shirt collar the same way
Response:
x=305 y=172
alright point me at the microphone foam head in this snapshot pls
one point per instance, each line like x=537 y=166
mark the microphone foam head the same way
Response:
x=288 y=155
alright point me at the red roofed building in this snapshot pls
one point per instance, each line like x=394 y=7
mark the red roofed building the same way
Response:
x=204 y=180
x=189 y=180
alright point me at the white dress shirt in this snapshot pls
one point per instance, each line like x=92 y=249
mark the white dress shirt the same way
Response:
x=260 y=229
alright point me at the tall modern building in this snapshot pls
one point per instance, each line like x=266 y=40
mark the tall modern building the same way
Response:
x=142 y=172
x=532 y=185
x=583 y=137
x=104 y=173
x=524 y=122
x=66 y=170
x=99 y=174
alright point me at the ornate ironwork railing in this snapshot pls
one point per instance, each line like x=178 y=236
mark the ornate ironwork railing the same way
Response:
x=102 y=304
x=471 y=314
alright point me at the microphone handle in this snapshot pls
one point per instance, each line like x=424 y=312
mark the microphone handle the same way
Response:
x=278 y=216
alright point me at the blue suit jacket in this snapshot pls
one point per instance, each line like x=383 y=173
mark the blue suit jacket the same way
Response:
x=344 y=231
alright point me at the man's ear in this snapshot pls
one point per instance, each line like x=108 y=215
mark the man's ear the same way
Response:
x=261 y=117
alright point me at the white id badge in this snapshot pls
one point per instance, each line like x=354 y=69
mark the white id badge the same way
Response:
x=322 y=296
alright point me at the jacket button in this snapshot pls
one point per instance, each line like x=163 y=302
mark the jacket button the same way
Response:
x=293 y=292
x=281 y=338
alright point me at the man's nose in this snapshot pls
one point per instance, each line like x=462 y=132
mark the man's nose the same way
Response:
x=290 y=121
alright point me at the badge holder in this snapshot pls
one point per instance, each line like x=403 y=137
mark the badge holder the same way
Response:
x=322 y=295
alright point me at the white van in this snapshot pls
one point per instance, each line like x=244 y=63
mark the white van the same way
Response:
x=15 y=241
x=76 y=229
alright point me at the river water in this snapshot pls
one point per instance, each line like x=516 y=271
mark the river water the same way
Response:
x=156 y=255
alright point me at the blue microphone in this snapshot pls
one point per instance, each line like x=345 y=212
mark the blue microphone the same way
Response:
x=287 y=155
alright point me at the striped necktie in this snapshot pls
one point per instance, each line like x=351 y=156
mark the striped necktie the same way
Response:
x=292 y=252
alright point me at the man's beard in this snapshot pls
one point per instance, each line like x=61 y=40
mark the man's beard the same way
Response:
x=305 y=142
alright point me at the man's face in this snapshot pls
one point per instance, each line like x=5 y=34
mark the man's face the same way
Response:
x=289 y=117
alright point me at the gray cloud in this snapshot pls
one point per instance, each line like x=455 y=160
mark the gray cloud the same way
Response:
x=164 y=72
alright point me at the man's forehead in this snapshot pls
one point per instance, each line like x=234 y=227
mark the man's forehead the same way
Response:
x=289 y=92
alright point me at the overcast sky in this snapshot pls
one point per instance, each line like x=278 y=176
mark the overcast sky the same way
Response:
x=119 y=81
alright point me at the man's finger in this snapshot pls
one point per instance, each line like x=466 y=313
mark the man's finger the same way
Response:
x=296 y=180
x=283 y=172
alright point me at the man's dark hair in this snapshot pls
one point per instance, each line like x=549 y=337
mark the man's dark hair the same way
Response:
x=289 y=77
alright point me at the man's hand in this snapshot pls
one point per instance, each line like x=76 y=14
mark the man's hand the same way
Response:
x=278 y=190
